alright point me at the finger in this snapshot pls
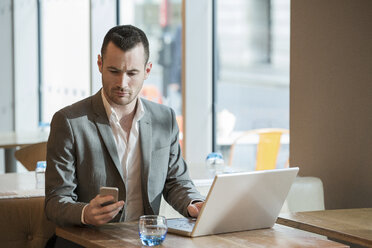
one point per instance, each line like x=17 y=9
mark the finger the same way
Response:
x=193 y=210
x=96 y=210
x=104 y=218
x=104 y=199
x=112 y=207
x=99 y=200
x=199 y=205
x=95 y=214
x=112 y=214
x=101 y=218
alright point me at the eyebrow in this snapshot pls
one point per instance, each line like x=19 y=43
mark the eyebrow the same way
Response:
x=133 y=70
x=117 y=69
x=113 y=68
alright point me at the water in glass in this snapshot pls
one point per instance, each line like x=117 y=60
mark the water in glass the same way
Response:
x=152 y=229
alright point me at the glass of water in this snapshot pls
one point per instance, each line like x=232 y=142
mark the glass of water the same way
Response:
x=152 y=229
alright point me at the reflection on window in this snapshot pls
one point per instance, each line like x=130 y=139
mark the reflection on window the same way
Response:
x=161 y=21
x=65 y=54
x=252 y=79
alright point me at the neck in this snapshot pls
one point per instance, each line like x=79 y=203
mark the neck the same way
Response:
x=126 y=119
x=126 y=112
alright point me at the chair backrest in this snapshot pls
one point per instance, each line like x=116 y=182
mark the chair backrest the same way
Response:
x=29 y=155
x=267 y=148
x=23 y=223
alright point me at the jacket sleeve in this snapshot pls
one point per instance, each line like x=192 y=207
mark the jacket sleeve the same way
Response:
x=179 y=190
x=61 y=206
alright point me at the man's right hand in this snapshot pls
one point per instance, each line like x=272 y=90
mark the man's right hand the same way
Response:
x=95 y=214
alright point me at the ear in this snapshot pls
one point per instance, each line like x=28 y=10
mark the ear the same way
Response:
x=99 y=63
x=148 y=69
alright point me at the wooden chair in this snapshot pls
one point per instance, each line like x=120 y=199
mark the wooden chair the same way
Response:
x=30 y=154
x=267 y=147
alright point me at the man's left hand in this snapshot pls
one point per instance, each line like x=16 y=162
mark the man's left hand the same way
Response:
x=194 y=209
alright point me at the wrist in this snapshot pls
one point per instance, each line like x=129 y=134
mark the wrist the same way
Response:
x=83 y=220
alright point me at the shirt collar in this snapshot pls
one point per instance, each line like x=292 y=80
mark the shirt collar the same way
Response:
x=110 y=112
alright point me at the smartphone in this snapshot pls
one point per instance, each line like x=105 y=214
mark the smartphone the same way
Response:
x=109 y=191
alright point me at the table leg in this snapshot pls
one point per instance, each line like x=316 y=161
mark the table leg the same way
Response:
x=10 y=161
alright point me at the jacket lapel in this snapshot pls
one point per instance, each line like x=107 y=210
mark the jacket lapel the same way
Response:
x=104 y=129
x=145 y=131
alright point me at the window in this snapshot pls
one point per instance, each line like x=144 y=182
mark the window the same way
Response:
x=162 y=23
x=251 y=61
x=251 y=74
x=69 y=47
x=65 y=54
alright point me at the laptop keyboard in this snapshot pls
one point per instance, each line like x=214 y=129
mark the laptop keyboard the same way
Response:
x=182 y=224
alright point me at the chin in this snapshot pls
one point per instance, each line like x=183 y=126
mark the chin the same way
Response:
x=123 y=102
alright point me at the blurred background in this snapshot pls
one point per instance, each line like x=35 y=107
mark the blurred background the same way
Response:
x=232 y=66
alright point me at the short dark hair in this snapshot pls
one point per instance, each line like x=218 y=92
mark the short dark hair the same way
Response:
x=126 y=37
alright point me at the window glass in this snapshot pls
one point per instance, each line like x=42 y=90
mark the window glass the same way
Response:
x=162 y=22
x=252 y=76
x=65 y=59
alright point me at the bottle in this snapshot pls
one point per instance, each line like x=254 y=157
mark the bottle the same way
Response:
x=40 y=174
x=215 y=163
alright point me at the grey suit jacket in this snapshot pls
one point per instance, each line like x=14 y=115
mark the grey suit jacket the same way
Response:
x=82 y=156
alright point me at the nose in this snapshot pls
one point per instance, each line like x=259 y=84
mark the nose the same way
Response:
x=124 y=79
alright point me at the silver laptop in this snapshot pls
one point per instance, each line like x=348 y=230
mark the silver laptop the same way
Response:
x=239 y=202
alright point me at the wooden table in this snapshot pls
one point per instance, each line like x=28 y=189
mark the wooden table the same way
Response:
x=349 y=225
x=11 y=140
x=126 y=235
x=19 y=185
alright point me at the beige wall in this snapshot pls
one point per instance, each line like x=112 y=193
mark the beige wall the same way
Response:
x=331 y=97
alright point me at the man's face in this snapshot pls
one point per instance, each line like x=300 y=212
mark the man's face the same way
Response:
x=123 y=73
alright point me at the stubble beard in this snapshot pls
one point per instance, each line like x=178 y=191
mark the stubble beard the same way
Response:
x=126 y=100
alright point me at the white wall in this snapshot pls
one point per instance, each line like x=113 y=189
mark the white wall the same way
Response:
x=331 y=97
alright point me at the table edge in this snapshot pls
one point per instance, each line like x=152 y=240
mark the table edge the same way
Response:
x=74 y=238
x=323 y=231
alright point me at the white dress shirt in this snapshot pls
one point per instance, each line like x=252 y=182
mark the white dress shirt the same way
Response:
x=129 y=152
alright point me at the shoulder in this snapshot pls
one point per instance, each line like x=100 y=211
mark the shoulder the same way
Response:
x=161 y=116
x=156 y=109
x=78 y=109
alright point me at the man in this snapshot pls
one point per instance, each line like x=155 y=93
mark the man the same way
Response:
x=116 y=139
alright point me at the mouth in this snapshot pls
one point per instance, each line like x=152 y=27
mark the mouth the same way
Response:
x=122 y=92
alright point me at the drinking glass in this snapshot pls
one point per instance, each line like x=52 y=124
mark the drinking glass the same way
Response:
x=152 y=229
